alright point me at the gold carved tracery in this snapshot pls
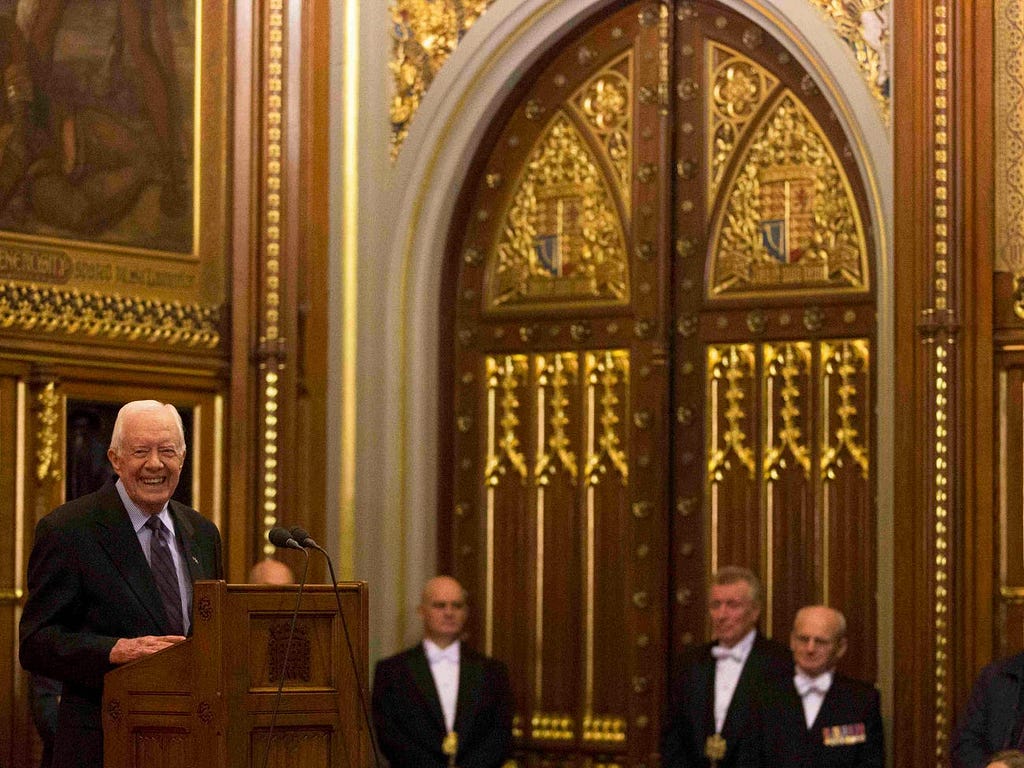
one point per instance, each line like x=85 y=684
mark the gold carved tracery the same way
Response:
x=739 y=86
x=606 y=105
x=791 y=220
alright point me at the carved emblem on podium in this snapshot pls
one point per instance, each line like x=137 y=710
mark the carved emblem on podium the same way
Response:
x=204 y=609
x=298 y=655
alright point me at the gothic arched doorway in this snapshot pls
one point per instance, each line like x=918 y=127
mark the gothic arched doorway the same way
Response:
x=662 y=332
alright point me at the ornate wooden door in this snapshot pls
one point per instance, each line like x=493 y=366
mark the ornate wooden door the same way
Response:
x=661 y=325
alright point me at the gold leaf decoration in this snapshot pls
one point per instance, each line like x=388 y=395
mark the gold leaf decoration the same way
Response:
x=729 y=366
x=843 y=362
x=864 y=26
x=73 y=312
x=556 y=376
x=785 y=365
x=505 y=375
x=424 y=34
x=605 y=105
x=739 y=87
x=607 y=377
x=562 y=238
x=790 y=222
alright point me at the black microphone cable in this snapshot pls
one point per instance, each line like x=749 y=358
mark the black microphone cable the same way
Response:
x=281 y=539
x=305 y=540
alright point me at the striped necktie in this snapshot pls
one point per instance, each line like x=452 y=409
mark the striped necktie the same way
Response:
x=165 y=574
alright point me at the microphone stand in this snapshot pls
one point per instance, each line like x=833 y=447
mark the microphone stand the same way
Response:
x=305 y=540
x=280 y=541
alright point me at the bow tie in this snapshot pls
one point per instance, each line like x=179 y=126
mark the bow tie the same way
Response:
x=721 y=652
x=805 y=684
x=435 y=654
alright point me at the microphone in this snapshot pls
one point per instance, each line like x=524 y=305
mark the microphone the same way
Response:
x=305 y=541
x=301 y=535
x=282 y=539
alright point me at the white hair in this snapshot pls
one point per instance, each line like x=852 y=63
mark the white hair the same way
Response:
x=143 y=406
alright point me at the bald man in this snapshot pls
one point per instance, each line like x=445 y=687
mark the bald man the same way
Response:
x=818 y=718
x=440 y=696
x=271 y=571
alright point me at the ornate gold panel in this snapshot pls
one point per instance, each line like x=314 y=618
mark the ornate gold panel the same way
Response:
x=864 y=26
x=842 y=361
x=562 y=239
x=739 y=86
x=607 y=375
x=1009 y=141
x=505 y=375
x=785 y=366
x=556 y=383
x=728 y=367
x=790 y=222
x=425 y=34
x=74 y=312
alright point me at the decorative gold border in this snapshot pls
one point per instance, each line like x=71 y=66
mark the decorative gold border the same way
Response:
x=69 y=311
x=133 y=293
x=941 y=365
x=270 y=341
x=1009 y=141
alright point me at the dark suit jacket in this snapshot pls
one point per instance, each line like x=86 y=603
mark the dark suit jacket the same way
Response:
x=690 y=718
x=89 y=584
x=410 y=724
x=993 y=718
x=789 y=743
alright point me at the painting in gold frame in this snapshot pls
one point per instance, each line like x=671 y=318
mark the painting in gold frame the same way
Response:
x=113 y=147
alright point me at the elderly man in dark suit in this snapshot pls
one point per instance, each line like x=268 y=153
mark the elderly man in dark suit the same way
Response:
x=814 y=717
x=440 y=703
x=994 y=717
x=715 y=699
x=110 y=575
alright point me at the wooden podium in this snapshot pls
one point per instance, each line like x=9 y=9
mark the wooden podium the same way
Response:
x=209 y=701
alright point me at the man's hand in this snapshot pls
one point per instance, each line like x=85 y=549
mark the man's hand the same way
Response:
x=131 y=648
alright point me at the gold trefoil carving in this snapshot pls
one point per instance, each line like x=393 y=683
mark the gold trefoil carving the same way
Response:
x=843 y=362
x=605 y=104
x=70 y=311
x=738 y=88
x=607 y=377
x=864 y=26
x=791 y=222
x=562 y=240
x=424 y=34
x=732 y=364
x=556 y=379
x=505 y=375
x=786 y=364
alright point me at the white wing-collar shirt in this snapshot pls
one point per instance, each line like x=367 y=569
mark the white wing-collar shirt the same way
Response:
x=444 y=668
x=728 y=666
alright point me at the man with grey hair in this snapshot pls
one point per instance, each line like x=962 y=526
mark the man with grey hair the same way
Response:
x=813 y=716
x=714 y=701
x=110 y=575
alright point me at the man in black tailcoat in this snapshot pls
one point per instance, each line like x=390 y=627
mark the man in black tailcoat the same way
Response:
x=714 y=701
x=814 y=717
x=441 y=703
